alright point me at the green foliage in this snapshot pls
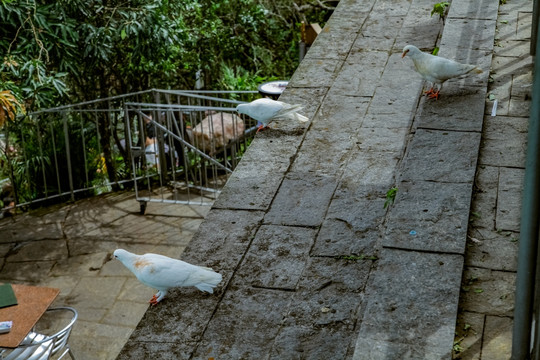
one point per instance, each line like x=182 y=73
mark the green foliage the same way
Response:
x=390 y=196
x=440 y=8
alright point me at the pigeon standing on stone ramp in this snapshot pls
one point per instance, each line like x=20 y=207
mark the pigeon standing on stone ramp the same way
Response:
x=436 y=69
x=265 y=110
x=162 y=273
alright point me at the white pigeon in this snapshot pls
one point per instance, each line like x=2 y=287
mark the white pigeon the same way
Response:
x=265 y=110
x=162 y=273
x=436 y=69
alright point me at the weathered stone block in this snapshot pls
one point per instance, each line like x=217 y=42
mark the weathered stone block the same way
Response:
x=360 y=74
x=446 y=156
x=460 y=109
x=488 y=291
x=223 y=239
x=480 y=10
x=302 y=200
x=429 y=216
x=504 y=141
x=468 y=34
x=412 y=307
x=252 y=318
x=276 y=258
x=509 y=196
x=316 y=73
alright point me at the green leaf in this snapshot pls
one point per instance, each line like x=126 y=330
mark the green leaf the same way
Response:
x=123 y=34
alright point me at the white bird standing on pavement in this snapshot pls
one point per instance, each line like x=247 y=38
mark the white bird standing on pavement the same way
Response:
x=162 y=273
x=265 y=110
x=436 y=69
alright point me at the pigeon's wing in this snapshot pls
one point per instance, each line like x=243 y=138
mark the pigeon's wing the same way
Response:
x=161 y=272
x=289 y=111
x=443 y=69
x=265 y=109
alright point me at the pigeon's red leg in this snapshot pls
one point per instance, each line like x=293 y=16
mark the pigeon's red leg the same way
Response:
x=262 y=127
x=434 y=95
x=153 y=300
x=429 y=92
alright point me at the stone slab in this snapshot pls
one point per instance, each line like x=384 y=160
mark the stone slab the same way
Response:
x=510 y=192
x=276 y=258
x=480 y=10
x=488 y=291
x=223 y=239
x=458 y=109
x=380 y=31
x=360 y=73
x=445 y=156
x=497 y=342
x=335 y=40
x=181 y=317
x=469 y=332
x=429 y=216
x=419 y=28
x=315 y=73
x=484 y=201
x=312 y=342
x=244 y=325
x=351 y=225
x=468 y=34
x=319 y=324
x=492 y=249
x=412 y=307
x=157 y=350
x=504 y=141
x=259 y=174
x=302 y=200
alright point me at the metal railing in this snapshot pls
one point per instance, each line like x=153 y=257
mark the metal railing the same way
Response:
x=79 y=150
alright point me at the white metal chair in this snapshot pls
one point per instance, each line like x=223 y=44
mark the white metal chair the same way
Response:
x=36 y=346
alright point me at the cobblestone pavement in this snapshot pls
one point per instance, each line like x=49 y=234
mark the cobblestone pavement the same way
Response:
x=314 y=265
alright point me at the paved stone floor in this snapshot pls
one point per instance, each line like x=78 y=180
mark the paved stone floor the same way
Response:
x=69 y=247
x=315 y=267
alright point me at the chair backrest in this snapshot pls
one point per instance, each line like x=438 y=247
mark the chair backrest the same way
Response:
x=37 y=346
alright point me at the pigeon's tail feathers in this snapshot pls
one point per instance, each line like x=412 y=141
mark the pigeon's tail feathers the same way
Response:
x=206 y=268
x=291 y=112
x=210 y=281
x=301 y=117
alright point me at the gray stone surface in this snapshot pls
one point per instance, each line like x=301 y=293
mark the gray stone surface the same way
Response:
x=445 y=156
x=504 y=142
x=468 y=34
x=368 y=63
x=255 y=319
x=488 y=291
x=223 y=239
x=316 y=73
x=417 y=286
x=429 y=216
x=276 y=257
x=458 y=109
x=481 y=9
x=509 y=199
x=302 y=200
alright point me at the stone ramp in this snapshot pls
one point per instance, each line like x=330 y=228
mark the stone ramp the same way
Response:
x=314 y=265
